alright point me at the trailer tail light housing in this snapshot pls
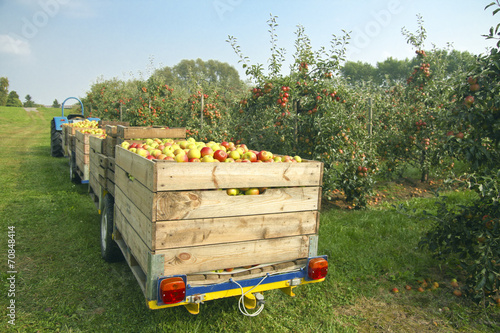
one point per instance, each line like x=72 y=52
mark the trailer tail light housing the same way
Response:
x=317 y=268
x=172 y=290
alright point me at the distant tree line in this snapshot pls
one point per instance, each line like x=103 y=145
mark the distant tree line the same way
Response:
x=11 y=98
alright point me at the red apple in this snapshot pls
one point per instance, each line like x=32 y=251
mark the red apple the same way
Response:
x=220 y=155
x=469 y=100
x=206 y=151
x=194 y=160
x=265 y=156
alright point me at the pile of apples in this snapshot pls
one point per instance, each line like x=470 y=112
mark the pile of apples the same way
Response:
x=84 y=124
x=190 y=150
x=100 y=132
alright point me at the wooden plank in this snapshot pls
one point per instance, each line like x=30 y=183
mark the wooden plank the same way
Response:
x=110 y=187
x=139 y=167
x=170 y=176
x=110 y=175
x=96 y=143
x=109 y=146
x=111 y=163
x=137 y=247
x=211 y=257
x=112 y=123
x=102 y=181
x=185 y=233
x=141 y=223
x=208 y=204
x=149 y=132
x=82 y=156
x=181 y=176
x=199 y=204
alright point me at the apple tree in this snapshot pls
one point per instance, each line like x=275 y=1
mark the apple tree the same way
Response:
x=469 y=235
x=309 y=112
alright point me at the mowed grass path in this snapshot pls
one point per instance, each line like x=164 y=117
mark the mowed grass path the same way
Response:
x=63 y=285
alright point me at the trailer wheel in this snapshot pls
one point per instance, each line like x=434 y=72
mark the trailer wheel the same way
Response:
x=56 y=148
x=109 y=249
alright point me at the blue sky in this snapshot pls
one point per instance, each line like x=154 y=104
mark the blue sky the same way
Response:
x=58 y=48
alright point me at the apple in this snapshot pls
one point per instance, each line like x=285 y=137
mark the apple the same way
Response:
x=161 y=157
x=286 y=158
x=156 y=153
x=265 y=156
x=457 y=292
x=252 y=191
x=125 y=144
x=250 y=155
x=194 y=160
x=277 y=159
x=408 y=287
x=194 y=153
x=182 y=157
x=395 y=290
x=133 y=145
x=179 y=151
x=454 y=283
x=220 y=155
x=150 y=157
x=142 y=152
x=207 y=158
x=244 y=147
x=133 y=150
x=469 y=100
x=474 y=87
x=206 y=151
x=232 y=191
x=235 y=155
x=471 y=80
x=225 y=144
x=229 y=160
x=297 y=158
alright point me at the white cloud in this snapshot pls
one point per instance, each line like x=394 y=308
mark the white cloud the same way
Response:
x=11 y=45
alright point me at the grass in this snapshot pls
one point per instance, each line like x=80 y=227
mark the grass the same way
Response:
x=63 y=285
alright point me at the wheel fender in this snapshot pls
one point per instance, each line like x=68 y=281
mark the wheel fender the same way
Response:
x=59 y=121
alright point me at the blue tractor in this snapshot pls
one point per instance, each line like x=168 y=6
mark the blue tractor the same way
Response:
x=56 y=146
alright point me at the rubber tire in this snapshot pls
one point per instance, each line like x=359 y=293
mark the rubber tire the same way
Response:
x=56 y=148
x=110 y=251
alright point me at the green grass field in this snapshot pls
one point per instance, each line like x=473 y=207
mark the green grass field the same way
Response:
x=63 y=285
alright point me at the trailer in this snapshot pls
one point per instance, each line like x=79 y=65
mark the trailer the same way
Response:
x=187 y=241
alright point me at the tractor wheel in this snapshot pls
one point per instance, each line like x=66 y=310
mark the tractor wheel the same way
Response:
x=56 y=148
x=110 y=251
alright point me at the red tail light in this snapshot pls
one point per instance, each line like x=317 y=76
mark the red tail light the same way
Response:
x=318 y=268
x=173 y=290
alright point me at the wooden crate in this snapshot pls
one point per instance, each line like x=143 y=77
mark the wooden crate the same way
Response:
x=96 y=144
x=114 y=123
x=127 y=133
x=182 y=212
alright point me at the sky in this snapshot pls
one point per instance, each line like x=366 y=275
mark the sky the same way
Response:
x=55 y=49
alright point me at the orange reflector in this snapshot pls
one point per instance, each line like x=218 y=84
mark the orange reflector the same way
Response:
x=318 y=268
x=173 y=290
